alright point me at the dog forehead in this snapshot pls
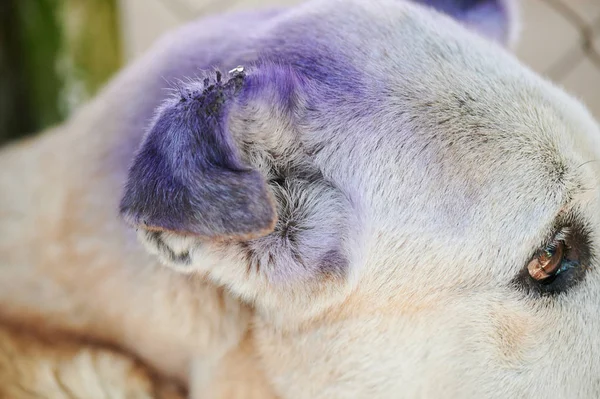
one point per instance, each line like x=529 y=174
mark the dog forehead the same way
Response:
x=477 y=157
x=426 y=112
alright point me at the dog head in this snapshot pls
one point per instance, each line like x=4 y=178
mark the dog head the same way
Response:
x=409 y=210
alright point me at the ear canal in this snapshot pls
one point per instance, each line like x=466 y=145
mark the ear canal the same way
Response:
x=188 y=176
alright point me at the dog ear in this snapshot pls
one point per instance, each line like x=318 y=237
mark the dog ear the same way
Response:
x=188 y=176
x=494 y=19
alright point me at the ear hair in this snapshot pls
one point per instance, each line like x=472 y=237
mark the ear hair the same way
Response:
x=188 y=176
x=312 y=235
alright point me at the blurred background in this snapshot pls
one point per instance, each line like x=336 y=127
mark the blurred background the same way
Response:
x=56 y=54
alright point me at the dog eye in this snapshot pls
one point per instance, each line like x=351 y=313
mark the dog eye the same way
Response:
x=555 y=258
x=549 y=262
x=559 y=264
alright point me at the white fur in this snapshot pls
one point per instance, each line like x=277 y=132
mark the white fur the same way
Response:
x=438 y=178
x=447 y=220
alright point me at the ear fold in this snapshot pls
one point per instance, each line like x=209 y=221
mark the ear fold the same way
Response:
x=188 y=176
x=494 y=19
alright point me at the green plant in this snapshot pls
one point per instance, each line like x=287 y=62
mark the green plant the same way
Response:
x=54 y=55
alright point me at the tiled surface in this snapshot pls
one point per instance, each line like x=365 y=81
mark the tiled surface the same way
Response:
x=553 y=37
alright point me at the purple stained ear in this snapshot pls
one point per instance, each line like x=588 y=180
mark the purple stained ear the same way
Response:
x=494 y=19
x=188 y=176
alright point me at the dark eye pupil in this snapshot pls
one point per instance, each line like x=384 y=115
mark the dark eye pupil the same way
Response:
x=548 y=262
x=560 y=263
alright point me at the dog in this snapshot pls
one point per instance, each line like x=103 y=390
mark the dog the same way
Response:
x=352 y=199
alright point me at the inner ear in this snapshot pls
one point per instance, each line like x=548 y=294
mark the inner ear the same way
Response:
x=312 y=237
